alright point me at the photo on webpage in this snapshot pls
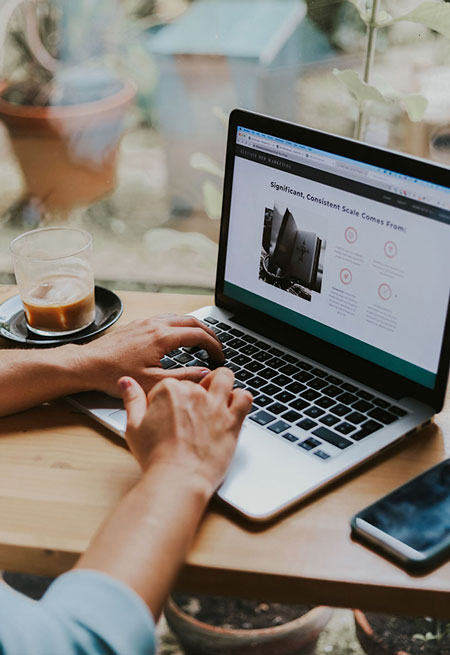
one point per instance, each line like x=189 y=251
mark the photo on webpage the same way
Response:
x=292 y=255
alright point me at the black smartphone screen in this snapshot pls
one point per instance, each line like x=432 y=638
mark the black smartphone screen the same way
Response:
x=417 y=513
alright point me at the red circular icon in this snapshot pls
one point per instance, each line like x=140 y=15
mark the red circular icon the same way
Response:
x=346 y=276
x=384 y=291
x=390 y=249
x=351 y=235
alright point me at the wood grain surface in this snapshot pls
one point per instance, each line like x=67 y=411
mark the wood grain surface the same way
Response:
x=61 y=474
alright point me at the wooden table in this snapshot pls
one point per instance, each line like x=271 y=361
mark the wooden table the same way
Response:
x=61 y=473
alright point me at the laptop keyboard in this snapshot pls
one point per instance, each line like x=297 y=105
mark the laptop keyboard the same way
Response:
x=289 y=392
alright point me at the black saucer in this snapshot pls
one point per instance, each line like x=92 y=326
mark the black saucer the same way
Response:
x=108 y=308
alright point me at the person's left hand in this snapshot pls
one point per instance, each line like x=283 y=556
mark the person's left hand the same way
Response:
x=191 y=428
x=135 y=350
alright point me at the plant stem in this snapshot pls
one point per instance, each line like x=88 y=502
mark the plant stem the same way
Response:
x=372 y=28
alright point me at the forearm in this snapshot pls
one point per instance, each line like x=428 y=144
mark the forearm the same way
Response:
x=146 y=539
x=30 y=377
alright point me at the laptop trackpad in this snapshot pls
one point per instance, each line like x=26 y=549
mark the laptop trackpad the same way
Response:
x=266 y=474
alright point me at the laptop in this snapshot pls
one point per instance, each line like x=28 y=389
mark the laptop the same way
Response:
x=342 y=335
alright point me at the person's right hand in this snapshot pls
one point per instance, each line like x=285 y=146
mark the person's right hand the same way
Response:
x=193 y=427
x=136 y=349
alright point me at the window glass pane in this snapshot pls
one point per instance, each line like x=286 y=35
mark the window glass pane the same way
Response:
x=113 y=113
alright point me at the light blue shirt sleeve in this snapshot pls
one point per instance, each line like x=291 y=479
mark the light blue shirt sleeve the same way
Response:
x=83 y=612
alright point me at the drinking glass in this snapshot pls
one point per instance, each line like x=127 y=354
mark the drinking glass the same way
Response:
x=53 y=268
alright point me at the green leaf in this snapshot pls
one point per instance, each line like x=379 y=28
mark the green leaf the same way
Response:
x=205 y=163
x=221 y=115
x=415 y=105
x=382 y=91
x=361 y=7
x=359 y=89
x=212 y=198
x=383 y=18
x=384 y=86
x=435 y=15
x=418 y=637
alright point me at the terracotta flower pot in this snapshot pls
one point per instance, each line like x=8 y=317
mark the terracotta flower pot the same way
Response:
x=67 y=154
x=297 y=637
x=375 y=640
x=366 y=635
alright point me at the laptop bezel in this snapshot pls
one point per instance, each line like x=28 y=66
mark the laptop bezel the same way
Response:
x=332 y=356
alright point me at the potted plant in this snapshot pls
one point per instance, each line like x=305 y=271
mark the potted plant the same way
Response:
x=381 y=634
x=214 y=625
x=64 y=107
x=369 y=88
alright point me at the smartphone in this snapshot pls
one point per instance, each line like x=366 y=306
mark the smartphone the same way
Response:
x=411 y=524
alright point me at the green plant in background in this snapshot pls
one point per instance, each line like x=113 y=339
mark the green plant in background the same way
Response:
x=368 y=88
x=87 y=55
x=441 y=630
x=212 y=196
x=63 y=51
x=212 y=191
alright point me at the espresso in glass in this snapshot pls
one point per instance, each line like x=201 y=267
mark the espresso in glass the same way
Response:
x=55 y=279
x=62 y=303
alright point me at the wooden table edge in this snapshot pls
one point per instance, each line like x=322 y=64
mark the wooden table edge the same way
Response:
x=257 y=584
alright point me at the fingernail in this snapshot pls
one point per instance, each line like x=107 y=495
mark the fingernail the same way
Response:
x=204 y=372
x=124 y=384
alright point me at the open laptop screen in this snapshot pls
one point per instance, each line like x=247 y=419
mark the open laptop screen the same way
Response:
x=349 y=252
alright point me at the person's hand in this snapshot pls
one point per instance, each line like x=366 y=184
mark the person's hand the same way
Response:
x=136 y=349
x=193 y=427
